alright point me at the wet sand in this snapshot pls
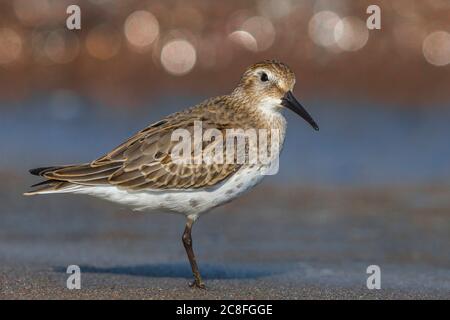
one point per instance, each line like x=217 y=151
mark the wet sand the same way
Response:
x=274 y=243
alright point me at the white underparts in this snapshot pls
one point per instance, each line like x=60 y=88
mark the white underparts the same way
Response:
x=270 y=106
x=191 y=202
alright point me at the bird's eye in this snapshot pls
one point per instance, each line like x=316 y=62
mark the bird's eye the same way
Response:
x=264 y=77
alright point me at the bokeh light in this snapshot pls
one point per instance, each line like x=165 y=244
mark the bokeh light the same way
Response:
x=351 y=34
x=31 y=13
x=10 y=45
x=321 y=28
x=103 y=42
x=137 y=36
x=436 y=48
x=262 y=30
x=61 y=46
x=141 y=29
x=178 y=57
x=244 y=39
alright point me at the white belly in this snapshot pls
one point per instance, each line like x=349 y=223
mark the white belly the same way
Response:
x=192 y=202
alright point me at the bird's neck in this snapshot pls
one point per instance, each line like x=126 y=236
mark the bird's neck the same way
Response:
x=260 y=113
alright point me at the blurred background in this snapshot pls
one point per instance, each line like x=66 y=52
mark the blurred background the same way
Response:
x=377 y=174
x=381 y=96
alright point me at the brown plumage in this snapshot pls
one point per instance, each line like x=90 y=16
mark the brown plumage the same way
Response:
x=144 y=160
x=142 y=173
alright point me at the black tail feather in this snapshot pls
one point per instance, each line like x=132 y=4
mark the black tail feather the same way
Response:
x=45 y=182
x=42 y=170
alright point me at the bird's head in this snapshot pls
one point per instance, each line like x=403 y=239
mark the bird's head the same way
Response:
x=269 y=84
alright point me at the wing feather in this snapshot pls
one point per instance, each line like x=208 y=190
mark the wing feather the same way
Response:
x=144 y=161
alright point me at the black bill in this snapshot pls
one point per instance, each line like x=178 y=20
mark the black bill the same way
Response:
x=290 y=102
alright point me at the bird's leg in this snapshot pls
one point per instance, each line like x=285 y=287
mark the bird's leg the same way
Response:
x=187 y=242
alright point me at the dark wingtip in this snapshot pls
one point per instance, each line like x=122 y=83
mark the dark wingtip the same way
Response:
x=35 y=171
x=41 y=170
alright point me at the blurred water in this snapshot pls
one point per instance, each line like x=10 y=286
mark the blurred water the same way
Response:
x=358 y=143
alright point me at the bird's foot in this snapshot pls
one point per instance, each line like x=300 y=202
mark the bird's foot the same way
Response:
x=197 y=284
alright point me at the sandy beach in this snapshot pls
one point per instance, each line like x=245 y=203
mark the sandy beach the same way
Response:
x=294 y=243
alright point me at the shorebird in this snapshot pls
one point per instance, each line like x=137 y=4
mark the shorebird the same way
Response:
x=142 y=173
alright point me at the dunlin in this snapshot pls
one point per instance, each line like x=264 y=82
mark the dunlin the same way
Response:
x=142 y=172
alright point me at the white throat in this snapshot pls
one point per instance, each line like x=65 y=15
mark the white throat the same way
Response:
x=270 y=106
